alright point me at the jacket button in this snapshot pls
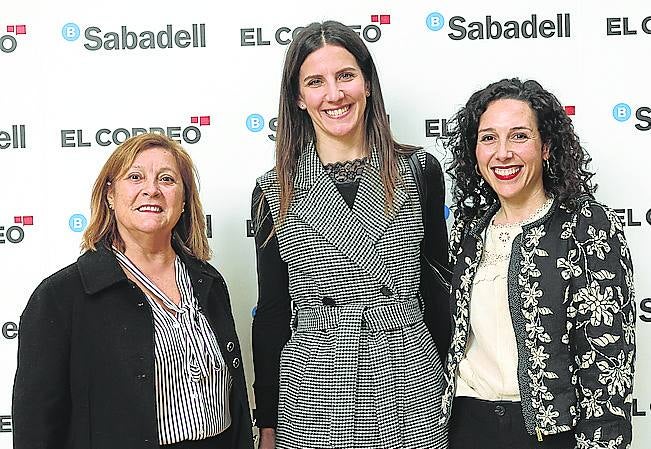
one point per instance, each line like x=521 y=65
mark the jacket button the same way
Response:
x=328 y=301
x=200 y=280
x=500 y=410
x=386 y=291
x=236 y=363
x=141 y=303
x=142 y=376
x=230 y=346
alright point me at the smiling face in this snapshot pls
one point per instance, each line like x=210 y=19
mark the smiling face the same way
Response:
x=333 y=92
x=148 y=197
x=510 y=153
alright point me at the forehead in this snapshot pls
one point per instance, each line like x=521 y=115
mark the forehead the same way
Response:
x=508 y=112
x=327 y=58
x=157 y=157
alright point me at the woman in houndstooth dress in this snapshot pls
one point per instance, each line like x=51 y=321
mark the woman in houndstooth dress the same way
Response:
x=343 y=357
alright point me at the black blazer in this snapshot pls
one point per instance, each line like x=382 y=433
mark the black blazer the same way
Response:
x=85 y=375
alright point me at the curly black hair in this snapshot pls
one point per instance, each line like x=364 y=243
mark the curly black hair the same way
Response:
x=566 y=174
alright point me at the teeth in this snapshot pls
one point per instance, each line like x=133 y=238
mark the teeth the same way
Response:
x=506 y=171
x=150 y=209
x=337 y=112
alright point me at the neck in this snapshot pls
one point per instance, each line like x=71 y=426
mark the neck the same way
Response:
x=148 y=249
x=336 y=150
x=518 y=211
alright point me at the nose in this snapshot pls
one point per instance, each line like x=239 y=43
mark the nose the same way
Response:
x=504 y=150
x=334 y=93
x=151 y=188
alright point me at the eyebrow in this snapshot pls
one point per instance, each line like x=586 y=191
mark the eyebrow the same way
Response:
x=162 y=169
x=515 y=128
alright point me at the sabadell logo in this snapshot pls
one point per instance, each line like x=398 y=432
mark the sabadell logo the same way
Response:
x=12 y=137
x=9 y=41
x=489 y=27
x=622 y=112
x=283 y=35
x=79 y=138
x=167 y=37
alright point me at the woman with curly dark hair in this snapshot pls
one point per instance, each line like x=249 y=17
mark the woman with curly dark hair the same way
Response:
x=543 y=343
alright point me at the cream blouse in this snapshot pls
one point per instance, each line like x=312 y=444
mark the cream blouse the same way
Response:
x=489 y=368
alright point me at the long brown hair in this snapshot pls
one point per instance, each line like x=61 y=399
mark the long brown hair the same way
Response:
x=295 y=129
x=189 y=232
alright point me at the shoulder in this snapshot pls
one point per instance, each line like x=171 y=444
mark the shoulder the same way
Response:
x=66 y=278
x=433 y=167
x=590 y=212
x=267 y=179
x=57 y=290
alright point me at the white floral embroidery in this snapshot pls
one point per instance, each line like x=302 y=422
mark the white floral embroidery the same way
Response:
x=598 y=307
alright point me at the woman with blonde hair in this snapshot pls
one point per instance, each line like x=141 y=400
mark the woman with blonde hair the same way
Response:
x=134 y=345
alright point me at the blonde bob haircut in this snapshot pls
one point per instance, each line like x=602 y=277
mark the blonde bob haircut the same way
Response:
x=189 y=234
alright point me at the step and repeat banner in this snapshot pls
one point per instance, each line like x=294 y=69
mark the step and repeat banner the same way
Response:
x=79 y=77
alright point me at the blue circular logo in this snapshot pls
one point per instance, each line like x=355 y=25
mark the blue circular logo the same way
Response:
x=622 y=112
x=255 y=123
x=446 y=211
x=435 y=21
x=77 y=223
x=70 y=32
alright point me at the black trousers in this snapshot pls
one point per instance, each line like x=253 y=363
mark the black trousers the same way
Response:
x=478 y=424
x=221 y=441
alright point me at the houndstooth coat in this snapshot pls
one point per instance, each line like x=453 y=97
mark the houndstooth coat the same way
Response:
x=360 y=370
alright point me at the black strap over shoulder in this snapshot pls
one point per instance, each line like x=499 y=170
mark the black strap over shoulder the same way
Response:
x=442 y=274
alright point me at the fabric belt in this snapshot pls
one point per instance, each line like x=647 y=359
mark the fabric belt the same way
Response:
x=349 y=321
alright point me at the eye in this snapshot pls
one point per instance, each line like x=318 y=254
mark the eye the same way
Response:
x=520 y=137
x=314 y=82
x=167 y=179
x=487 y=138
x=134 y=176
x=346 y=76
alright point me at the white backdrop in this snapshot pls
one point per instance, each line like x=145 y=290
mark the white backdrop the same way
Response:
x=71 y=89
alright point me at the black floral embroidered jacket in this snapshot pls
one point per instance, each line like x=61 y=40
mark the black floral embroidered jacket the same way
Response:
x=571 y=298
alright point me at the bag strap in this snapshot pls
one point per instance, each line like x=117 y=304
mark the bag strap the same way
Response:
x=442 y=273
x=419 y=176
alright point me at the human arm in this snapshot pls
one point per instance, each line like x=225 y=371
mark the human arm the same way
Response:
x=271 y=329
x=41 y=405
x=603 y=309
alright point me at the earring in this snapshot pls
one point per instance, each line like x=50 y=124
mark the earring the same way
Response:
x=301 y=105
x=547 y=167
x=111 y=206
x=368 y=93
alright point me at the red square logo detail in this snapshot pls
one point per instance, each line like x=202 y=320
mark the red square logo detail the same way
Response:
x=194 y=119
x=570 y=110
x=21 y=29
x=28 y=220
x=385 y=19
x=374 y=18
x=18 y=220
x=10 y=28
x=204 y=120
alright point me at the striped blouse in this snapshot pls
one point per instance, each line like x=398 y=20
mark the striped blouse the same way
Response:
x=192 y=381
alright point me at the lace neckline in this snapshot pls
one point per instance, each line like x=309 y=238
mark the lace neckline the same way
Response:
x=538 y=213
x=346 y=171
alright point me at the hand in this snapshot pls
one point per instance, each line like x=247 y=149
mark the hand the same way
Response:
x=267 y=438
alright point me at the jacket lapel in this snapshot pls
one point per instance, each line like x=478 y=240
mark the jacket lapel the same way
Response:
x=320 y=205
x=369 y=203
